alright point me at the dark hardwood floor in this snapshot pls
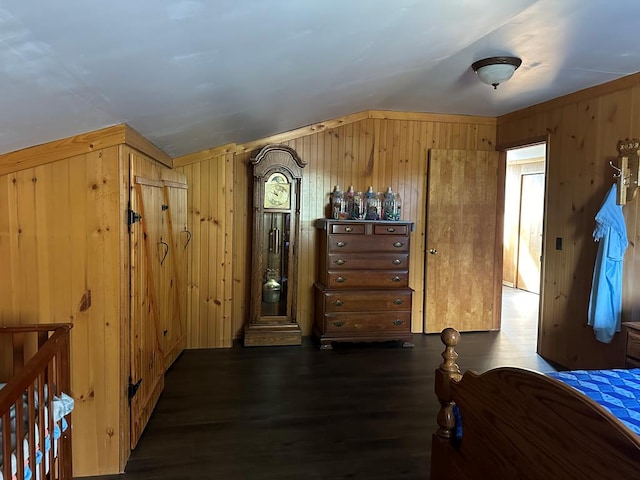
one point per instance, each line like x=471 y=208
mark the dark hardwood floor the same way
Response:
x=356 y=412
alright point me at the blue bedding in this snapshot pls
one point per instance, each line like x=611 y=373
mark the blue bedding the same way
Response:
x=616 y=390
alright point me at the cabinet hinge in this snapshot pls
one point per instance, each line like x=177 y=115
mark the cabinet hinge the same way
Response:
x=132 y=217
x=133 y=388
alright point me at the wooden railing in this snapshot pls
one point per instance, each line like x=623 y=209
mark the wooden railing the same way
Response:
x=36 y=378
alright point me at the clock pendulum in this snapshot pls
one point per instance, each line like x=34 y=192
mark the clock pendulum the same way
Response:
x=271 y=288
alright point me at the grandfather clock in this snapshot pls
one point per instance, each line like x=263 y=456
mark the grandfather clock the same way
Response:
x=277 y=172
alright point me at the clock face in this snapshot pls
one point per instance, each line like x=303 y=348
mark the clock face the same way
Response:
x=277 y=192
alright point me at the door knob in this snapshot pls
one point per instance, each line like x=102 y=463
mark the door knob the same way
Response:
x=433 y=251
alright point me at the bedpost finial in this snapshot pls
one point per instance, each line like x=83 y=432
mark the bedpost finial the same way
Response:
x=450 y=337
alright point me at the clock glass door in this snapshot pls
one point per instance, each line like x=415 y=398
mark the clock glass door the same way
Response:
x=276 y=234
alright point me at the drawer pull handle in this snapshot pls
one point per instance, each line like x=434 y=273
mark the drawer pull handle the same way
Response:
x=338 y=324
x=340 y=261
x=397 y=322
x=338 y=303
x=397 y=261
x=395 y=279
x=340 y=279
x=398 y=244
x=391 y=229
x=348 y=229
x=398 y=301
x=341 y=244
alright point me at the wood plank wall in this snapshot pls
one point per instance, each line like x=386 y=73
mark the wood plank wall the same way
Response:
x=583 y=130
x=211 y=213
x=371 y=148
x=59 y=244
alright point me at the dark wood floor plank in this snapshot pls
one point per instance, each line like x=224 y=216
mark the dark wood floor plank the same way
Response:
x=290 y=413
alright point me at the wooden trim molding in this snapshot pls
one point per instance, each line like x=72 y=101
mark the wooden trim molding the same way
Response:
x=522 y=143
x=431 y=117
x=123 y=134
x=328 y=125
x=140 y=143
x=138 y=180
x=623 y=83
x=31 y=157
x=205 y=155
x=301 y=132
x=81 y=144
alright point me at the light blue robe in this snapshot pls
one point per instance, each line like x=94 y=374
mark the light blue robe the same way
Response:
x=605 y=302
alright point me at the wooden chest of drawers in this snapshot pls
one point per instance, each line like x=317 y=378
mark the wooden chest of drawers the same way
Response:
x=632 y=330
x=362 y=293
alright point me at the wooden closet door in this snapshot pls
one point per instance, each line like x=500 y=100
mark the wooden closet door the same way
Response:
x=159 y=274
x=463 y=270
x=147 y=342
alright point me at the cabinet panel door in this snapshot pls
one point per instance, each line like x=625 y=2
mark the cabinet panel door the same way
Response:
x=147 y=343
x=159 y=247
x=159 y=274
x=462 y=280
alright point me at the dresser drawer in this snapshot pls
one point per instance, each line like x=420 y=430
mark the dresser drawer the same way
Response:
x=367 y=243
x=368 y=279
x=387 y=229
x=348 y=228
x=350 y=323
x=355 y=301
x=633 y=344
x=379 y=261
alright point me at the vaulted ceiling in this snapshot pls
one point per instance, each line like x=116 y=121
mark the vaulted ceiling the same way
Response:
x=195 y=74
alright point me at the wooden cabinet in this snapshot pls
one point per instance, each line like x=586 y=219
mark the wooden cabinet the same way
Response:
x=632 y=358
x=362 y=293
x=95 y=230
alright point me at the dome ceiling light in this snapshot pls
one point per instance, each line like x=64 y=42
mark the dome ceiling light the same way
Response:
x=496 y=70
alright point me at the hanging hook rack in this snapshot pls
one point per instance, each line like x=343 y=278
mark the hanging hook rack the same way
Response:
x=617 y=169
x=629 y=169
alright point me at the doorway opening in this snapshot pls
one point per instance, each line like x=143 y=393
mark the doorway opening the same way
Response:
x=523 y=234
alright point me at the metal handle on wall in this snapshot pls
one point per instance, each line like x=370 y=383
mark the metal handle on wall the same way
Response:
x=165 y=247
x=188 y=237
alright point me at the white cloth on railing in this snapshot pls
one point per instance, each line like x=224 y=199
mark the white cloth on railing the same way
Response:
x=62 y=406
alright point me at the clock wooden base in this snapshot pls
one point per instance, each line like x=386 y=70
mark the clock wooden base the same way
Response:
x=269 y=335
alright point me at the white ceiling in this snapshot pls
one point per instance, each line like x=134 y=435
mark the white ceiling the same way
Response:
x=195 y=74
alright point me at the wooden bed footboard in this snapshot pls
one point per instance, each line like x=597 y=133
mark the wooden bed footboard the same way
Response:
x=35 y=364
x=520 y=424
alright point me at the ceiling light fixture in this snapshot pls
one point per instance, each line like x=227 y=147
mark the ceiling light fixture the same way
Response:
x=496 y=70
